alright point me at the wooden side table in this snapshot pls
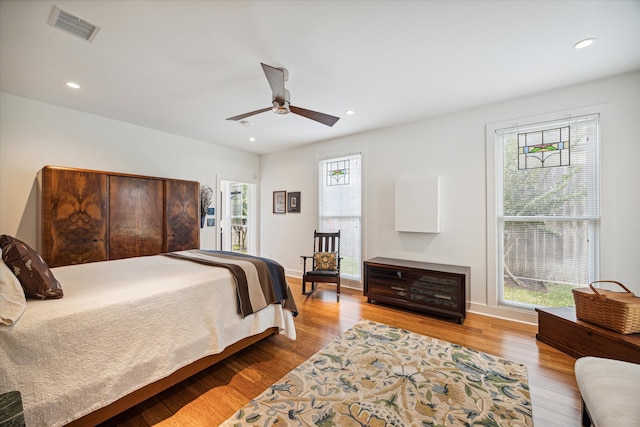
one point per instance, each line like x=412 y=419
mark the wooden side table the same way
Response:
x=559 y=328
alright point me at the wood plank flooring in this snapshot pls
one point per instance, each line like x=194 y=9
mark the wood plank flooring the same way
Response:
x=215 y=394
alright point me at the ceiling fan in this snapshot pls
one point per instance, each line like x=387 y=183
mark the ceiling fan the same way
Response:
x=281 y=99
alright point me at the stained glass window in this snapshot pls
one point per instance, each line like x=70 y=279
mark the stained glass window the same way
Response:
x=338 y=173
x=544 y=148
x=340 y=208
x=547 y=218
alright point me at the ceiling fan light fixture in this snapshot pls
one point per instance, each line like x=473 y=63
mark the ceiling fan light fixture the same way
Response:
x=280 y=109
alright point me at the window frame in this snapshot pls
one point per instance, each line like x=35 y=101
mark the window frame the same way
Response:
x=321 y=177
x=495 y=237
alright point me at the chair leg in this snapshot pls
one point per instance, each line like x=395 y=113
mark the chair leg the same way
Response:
x=314 y=286
x=338 y=292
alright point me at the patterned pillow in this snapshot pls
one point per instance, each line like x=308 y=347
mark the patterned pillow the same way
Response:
x=326 y=261
x=30 y=269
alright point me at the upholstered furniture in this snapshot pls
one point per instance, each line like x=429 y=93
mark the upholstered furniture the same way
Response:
x=127 y=329
x=325 y=262
x=610 y=392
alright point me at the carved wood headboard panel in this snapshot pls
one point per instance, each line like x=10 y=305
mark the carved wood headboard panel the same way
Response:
x=91 y=216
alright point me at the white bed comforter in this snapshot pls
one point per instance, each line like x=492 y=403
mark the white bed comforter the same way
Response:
x=121 y=325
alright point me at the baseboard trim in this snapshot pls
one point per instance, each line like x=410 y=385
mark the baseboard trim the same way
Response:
x=507 y=313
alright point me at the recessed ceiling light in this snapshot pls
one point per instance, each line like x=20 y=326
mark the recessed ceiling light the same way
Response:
x=350 y=112
x=73 y=85
x=252 y=139
x=584 y=43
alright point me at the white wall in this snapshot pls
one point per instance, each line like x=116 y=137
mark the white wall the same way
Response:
x=453 y=148
x=34 y=134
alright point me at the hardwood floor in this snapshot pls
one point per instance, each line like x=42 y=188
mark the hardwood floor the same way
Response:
x=215 y=394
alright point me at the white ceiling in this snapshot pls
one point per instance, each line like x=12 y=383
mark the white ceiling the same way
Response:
x=183 y=67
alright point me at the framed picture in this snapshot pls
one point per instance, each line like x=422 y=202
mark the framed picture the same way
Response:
x=279 y=202
x=293 y=202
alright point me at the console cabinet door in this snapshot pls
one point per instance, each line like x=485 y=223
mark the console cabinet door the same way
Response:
x=183 y=215
x=136 y=216
x=74 y=217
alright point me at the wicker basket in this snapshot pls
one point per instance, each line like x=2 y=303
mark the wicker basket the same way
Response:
x=618 y=311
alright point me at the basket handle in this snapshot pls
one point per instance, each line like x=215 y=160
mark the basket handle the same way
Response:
x=607 y=281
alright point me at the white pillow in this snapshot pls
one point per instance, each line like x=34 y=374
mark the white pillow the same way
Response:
x=12 y=299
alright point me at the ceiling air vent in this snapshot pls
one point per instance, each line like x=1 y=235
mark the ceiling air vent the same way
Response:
x=72 y=24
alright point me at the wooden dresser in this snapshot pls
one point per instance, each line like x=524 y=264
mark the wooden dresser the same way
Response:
x=88 y=216
x=437 y=289
x=559 y=328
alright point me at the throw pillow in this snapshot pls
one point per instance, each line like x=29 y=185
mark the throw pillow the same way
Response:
x=12 y=299
x=326 y=261
x=28 y=266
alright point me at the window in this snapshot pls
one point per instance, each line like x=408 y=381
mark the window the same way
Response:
x=339 y=205
x=547 y=210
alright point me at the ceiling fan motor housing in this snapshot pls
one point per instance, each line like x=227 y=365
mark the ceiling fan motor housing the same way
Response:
x=284 y=107
x=280 y=109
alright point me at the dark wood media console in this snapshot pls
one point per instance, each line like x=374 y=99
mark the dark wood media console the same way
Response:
x=437 y=289
x=559 y=328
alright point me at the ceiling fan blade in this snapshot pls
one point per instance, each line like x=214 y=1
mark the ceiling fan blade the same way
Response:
x=325 y=119
x=245 y=115
x=275 y=76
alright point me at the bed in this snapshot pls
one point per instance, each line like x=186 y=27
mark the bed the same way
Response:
x=127 y=329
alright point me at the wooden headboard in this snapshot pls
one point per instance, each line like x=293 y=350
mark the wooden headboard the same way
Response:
x=88 y=215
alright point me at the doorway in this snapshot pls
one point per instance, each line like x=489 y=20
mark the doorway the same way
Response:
x=238 y=217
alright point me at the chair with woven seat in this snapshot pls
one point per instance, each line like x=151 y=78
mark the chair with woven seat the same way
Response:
x=325 y=261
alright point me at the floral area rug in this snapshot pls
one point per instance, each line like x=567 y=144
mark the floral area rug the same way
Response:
x=378 y=375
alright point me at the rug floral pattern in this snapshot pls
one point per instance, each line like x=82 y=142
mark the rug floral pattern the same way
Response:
x=377 y=375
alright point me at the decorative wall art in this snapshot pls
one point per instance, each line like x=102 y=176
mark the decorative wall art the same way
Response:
x=279 y=202
x=293 y=202
x=206 y=195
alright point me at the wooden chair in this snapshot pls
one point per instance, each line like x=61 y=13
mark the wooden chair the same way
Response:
x=325 y=262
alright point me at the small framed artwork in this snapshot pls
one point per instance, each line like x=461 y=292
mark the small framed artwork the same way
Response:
x=293 y=202
x=211 y=222
x=279 y=202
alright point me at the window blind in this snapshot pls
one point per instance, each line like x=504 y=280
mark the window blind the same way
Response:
x=340 y=207
x=548 y=202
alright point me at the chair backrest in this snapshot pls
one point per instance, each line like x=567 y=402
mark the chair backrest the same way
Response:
x=326 y=242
